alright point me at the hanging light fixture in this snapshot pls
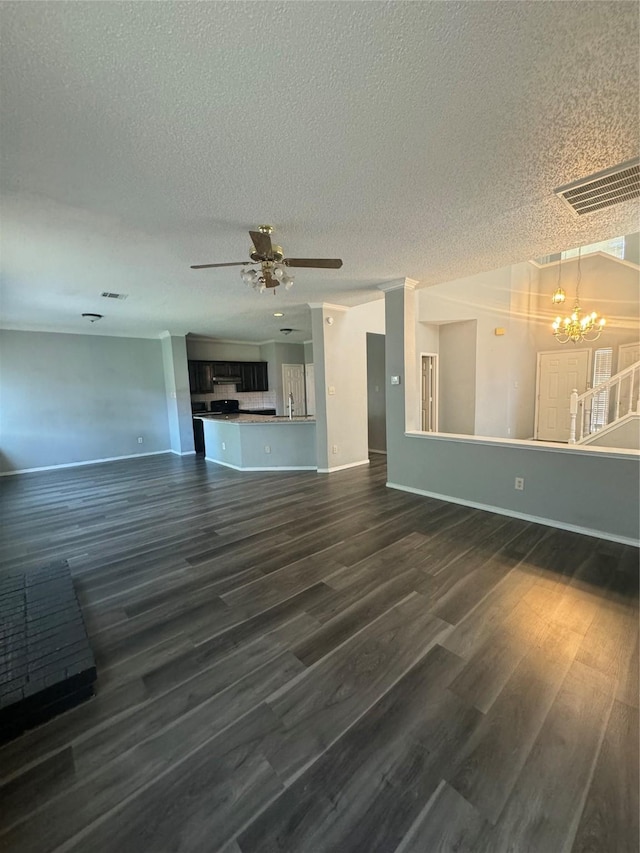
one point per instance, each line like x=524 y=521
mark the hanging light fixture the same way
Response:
x=576 y=327
x=559 y=295
x=268 y=274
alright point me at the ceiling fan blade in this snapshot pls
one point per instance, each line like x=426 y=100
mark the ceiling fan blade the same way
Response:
x=210 y=266
x=321 y=263
x=262 y=242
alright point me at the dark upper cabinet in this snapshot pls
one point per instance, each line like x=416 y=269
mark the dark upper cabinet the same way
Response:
x=254 y=376
x=200 y=377
x=205 y=376
x=225 y=370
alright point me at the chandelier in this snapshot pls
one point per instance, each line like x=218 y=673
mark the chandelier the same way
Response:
x=577 y=327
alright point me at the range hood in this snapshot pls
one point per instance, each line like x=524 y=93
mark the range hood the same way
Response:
x=226 y=380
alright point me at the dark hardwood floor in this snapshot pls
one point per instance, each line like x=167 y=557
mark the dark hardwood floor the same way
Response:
x=311 y=663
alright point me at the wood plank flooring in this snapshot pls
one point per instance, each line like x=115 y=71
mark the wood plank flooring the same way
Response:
x=315 y=663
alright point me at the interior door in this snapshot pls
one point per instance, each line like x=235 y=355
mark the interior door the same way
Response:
x=558 y=374
x=429 y=395
x=310 y=388
x=293 y=383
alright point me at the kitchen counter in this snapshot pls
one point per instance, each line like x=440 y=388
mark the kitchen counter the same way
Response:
x=260 y=442
x=257 y=419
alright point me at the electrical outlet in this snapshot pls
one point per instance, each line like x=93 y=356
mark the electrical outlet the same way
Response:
x=334 y=448
x=519 y=484
x=224 y=445
x=267 y=448
x=140 y=439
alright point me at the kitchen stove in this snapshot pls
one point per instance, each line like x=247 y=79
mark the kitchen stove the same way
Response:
x=224 y=407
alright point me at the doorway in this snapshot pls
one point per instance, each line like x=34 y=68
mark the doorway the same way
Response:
x=293 y=383
x=558 y=374
x=429 y=395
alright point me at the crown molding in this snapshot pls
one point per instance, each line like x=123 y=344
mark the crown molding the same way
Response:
x=328 y=305
x=400 y=284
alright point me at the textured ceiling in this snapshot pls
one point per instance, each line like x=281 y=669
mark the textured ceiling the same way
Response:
x=411 y=139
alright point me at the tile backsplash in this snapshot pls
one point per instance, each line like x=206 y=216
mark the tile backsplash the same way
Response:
x=248 y=400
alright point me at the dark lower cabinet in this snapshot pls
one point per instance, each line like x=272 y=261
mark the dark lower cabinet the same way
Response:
x=198 y=435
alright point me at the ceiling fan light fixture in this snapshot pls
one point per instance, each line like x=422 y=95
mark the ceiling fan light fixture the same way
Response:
x=271 y=262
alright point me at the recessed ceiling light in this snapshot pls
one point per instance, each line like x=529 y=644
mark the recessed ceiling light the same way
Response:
x=278 y=314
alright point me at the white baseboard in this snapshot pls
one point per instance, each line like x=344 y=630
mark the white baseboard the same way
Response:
x=273 y=468
x=186 y=453
x=372 y=450
x=342 y=467
x=549 y=522
x=79 y=464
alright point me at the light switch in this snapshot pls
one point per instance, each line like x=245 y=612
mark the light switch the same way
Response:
x=331 y=389
x=395 y=380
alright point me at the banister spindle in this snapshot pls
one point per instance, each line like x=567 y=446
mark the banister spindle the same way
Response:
x=573 y=411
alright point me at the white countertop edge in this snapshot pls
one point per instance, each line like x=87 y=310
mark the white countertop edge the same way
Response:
x=525 y=444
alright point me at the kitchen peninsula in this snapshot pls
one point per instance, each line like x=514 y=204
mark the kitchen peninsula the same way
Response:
x=260 y=443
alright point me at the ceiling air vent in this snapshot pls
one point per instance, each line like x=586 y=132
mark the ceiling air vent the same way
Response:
x=603 y=189
x=108 y=295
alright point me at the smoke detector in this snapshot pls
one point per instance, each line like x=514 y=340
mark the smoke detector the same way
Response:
x=286 y=331
x=611 y=186
x=92 y=318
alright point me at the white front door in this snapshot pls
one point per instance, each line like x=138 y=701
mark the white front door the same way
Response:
x=310 y=388
x=293 y=383
x=558 y=374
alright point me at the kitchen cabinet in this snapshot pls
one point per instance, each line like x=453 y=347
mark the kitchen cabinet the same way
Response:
x=254 y=376
x=200 y=373
x=204 y=375
x=225 y=370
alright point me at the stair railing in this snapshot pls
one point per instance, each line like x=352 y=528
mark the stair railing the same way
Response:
x=616 y=403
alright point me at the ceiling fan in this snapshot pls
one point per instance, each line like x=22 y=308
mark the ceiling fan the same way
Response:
x=268 y=266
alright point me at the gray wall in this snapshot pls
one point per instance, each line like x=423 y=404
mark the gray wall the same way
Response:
x=178 y=399
x=595 y=491
x=77 y=398
x=208 y=349
x=376 y=402
x=290 y=445
x=457 y=380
